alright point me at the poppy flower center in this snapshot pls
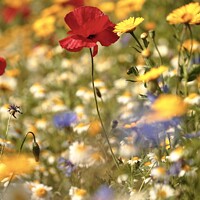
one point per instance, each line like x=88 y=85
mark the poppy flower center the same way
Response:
x=91 y=37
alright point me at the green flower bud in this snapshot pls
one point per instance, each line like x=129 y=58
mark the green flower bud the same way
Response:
x=36 y=151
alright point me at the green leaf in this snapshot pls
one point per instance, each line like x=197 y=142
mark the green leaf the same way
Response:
x=194 y=73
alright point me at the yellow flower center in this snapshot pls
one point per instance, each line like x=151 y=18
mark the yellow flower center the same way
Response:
x=81 y=192
x=187 y=17
x=161 y=194
x=81 y=147
x=41 y=192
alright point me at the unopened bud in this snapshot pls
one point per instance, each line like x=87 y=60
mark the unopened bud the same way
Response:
x=98 y=92
x=36 y=151
x=114 y=124
x=144 y=35
x=152 y=34
x=152 y=86
x=146 y=53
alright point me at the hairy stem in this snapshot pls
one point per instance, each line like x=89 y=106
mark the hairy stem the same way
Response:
x=98 y=112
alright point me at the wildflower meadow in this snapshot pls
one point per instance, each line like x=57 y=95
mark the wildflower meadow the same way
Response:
x=99 y=100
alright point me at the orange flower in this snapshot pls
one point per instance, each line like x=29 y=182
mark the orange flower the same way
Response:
x=125 y=7
x=187 y=14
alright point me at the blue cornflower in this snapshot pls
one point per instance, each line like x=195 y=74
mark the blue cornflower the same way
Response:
x=176 y=168
x=66 y=166
x=65 y=119
x=104 y=192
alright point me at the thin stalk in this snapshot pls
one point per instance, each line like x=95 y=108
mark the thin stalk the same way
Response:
x=179 y=60
x=6 y=136
x=13 y=173
x=25 y=140
x=191 y=47
x=136 y=40
x=160 y=57
x=98 y=112
x=143 y=182
x=186 y=65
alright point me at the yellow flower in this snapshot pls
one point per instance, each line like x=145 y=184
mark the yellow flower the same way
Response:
x=16 y=164
x=195 y=45
x=166 y=107
x=54 y=9
x=125 y=7
x=107 y=6
x=187 y=14
x=128 y=25
x=153 y=74
x=16 y=3
x=45 y=26
x=13 y=72
x=94 y=128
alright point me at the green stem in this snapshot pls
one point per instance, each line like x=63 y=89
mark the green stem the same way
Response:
x=143 y=182
x=181 y=65
x=13 y=173
x=25 y=140
x=98 y=112
x=136 y=40
x=160 y=57
x=6 y=136
x=191 y=47
x=186 y=65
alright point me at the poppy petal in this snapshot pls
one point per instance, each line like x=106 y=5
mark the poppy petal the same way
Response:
x=93 y=26
x=95 y=51
x=2 y=65
x=107 y=37
x=82 y=15
x=76 y=43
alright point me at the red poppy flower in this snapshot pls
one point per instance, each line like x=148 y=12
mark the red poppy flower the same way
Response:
x=10 y=13
x=88 y=25
x=2 y=65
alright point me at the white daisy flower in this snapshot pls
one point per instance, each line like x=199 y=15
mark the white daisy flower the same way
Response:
x=40 y=191
x=160 y=191
x=158 y=172
x=77 y=193
x=80 y=153
x=176 y=154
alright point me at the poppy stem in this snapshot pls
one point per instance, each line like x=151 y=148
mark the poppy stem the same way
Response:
x=98 y=112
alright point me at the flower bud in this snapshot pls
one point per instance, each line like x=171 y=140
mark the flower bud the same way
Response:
x=114 y=124
x=146 y=53
x=144 y=35
x=152 y=34
x=36 y=151
x=152 y=86
x=98 y=92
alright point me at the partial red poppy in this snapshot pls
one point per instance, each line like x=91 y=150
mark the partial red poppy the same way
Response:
x=88 y=25
x=10 y=13
x=2 y=65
